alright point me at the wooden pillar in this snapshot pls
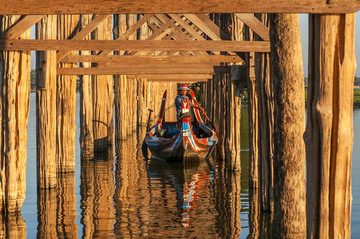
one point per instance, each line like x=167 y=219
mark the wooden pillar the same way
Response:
x=86 y=110
x=289 y=122
x=14 y=110
x=329 y=130
x=266 y=124
x=46 y=106
x=253 y=108
x=103 y=97
x=67 y=26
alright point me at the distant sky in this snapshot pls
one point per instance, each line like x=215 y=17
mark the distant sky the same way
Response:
x=304 y=28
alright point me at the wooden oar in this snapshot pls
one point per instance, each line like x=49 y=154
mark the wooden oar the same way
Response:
x=201 y=109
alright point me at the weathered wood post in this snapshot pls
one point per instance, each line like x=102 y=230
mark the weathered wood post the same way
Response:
x=253 y=108
x=67 y=26
x=266 y=123
x=86 y=109
x=124 y=104
x=14 y=111
x=103 y=97
x=46 y=106
x=329 y=130
x=289 y=122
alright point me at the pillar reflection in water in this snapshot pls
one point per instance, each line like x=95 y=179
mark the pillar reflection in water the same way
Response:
x=12 y=225
x=57 y=209
x=228 y=202
x=46 y=201
x=96 y=190
x=131 y=196
x=66 y=206
x=259 y=222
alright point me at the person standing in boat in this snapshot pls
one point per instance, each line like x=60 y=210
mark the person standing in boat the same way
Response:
x=183 y=91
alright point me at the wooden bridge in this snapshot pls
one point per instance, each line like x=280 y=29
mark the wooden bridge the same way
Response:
x=130 y=51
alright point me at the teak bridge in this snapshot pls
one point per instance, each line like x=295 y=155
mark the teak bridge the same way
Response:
x=128 y=52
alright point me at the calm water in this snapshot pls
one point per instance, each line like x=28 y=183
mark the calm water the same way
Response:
x=122 y=196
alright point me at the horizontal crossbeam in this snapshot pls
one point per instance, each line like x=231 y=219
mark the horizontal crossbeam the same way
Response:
x=134 y=45
x=174 y=77
x=131 y=60
x=145 y=70
x=26 y=7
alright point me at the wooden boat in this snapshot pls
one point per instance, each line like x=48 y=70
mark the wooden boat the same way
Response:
x=176 y=141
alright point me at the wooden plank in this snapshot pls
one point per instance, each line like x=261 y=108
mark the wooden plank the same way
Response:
x=27 y=7
x=203 y=26
x=83 y=33
x=24 y=24
x=144 y=70
x=131 y=30
x=213 y=27
x=257 y=26
x=126 y=59
x=187 y=27
x=177 y=80
x=170 y=77
x=134 y=45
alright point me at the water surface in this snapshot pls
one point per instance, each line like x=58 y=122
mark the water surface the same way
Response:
x=123 y=196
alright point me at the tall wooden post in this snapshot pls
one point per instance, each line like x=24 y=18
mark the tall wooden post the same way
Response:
x=66 y=102
x=103 y=98
x=14 y=111
x=329 y=130
x=289 y=121
x=253 y=109
x=266 y=124
x=46 y=106
x=86 y=109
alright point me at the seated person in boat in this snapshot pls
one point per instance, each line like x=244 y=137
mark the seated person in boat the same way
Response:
x=183 y=91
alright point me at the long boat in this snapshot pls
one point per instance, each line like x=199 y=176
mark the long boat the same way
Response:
x=178 y=141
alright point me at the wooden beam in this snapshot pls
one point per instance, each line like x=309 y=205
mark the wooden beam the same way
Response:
x=82 y=34
x=215 y=35
x=177 y=80
x=184 y=77
x=131 y=30
x=255 y=24
x=187 y=27
x=126 y=59
x=213 y=27
x=145 y=70
x=20 y=27
x=175 y=77
x=28 y=7
x=134 y=45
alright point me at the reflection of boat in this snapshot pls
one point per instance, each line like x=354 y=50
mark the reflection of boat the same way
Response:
x=182 y=140
x=190 y=181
